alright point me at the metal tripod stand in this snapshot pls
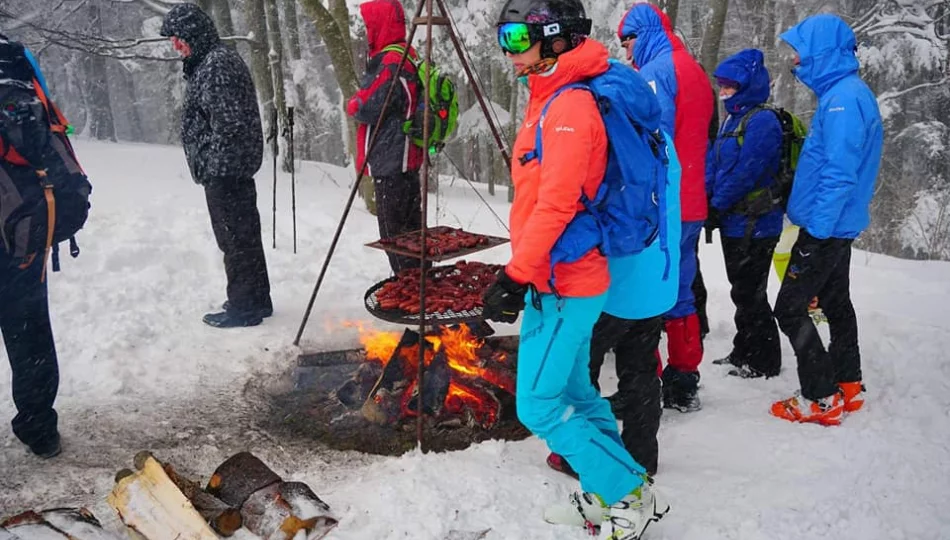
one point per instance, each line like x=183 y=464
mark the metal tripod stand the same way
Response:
x=428 y=21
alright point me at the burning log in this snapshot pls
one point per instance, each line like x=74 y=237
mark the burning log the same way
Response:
x=462 y=377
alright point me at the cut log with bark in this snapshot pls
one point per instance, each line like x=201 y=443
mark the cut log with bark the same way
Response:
x=239 y=477
x=223 y=518
x=270 y=507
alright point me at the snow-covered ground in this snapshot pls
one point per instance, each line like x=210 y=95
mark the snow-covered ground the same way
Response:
x=140 y=370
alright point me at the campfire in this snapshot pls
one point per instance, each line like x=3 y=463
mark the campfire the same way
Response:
x=467 y=381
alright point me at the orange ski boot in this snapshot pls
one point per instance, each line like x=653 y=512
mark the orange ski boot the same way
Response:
x=853 y=395
x=825 y=411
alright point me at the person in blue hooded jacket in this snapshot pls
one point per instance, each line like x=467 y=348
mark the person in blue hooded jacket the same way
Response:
x=830 y=200
x=743 y=162
x=686 y=101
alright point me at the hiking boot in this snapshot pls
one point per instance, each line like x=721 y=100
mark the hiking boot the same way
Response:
x=49 y=449
x=230 y=319
x=746 y=372
x=725 y=361
x=853 y=393
x=681 y=390
x=684 y=401
x=559 y=464
x=264 y=312
x=826 y=411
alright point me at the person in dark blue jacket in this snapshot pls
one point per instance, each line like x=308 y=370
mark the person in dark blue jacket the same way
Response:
x=743 y=162
x=830 y=201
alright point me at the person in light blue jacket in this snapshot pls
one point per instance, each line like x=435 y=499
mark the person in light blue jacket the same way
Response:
x=742 y=165
x=638 y=297
x=830 y=201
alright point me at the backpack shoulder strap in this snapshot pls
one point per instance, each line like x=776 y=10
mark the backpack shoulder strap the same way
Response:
x=537 y=153
x=400 y=49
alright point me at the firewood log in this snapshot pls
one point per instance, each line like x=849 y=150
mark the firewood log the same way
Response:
x=223 y=518
x=239 y=477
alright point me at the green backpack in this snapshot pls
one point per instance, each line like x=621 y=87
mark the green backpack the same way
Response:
x=443 y=104
x=763 y=200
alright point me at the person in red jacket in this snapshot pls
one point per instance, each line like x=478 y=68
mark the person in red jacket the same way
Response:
x=395 y=161
x=547 y=43
x=686 y=97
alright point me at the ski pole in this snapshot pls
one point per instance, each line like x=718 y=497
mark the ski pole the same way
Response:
x=274 y=147
x=293 y=174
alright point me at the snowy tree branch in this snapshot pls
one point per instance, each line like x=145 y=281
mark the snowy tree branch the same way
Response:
x=898 y=93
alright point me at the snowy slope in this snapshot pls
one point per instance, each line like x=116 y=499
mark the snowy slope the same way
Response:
x=139 y=370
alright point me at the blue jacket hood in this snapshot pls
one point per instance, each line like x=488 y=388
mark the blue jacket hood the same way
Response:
x=746 y=67
x=654 y=33
x=826 y=47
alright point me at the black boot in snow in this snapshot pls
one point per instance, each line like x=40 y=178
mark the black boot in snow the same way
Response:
x=230 y=319
x=681 y=390
x=48 y=449
x=265 y=312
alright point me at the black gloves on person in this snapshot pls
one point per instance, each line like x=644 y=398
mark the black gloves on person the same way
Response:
x=504 y=299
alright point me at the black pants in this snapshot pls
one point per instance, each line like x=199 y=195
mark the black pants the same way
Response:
x=398 y=211
x=28 y=337
x=820 y=268
x=232 y=205
x=634 y=343
x=700 y=295
x=756 y=343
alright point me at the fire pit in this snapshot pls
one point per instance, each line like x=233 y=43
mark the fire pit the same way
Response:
x=367 y=399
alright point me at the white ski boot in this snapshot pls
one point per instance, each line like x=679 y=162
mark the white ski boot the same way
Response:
x=624 y=520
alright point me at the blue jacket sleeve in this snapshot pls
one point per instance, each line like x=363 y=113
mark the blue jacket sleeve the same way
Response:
x=661 y=77
x=757 y=158
x=842 y=139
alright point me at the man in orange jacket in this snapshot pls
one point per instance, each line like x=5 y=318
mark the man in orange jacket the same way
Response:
x=546 y=41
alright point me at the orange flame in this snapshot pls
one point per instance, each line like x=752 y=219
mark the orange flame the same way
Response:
x=461 y=349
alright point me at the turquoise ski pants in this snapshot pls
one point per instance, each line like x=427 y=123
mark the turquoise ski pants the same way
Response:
x=558 y=403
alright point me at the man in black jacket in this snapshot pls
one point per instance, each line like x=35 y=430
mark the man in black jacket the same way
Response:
x=224 y=145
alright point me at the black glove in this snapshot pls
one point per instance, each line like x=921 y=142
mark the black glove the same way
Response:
x=504 y=299
x=712 y=223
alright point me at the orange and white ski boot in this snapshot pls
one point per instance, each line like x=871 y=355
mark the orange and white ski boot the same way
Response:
x=825 y=411
x=853 y=396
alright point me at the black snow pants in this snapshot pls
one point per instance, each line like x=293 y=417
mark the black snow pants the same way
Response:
x=820 y=268
x=634 y=343
x=236 y=222
x=28 y=337
x=398 y=211
x=700 y=295
x=756 y=343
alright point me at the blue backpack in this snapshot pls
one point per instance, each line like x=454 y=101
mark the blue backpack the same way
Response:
x=628 y=213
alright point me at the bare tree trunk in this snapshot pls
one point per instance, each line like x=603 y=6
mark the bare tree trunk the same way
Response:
x=127 y=84
x=98 y=100
x=291 y=31
x=254 y=15
x=272 y=18
x=222 y=17
x=671 y=8
x=339 y=47
x=712 y=37
x=512 y=133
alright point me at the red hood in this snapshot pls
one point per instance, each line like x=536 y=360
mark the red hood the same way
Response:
x=385 y=23
x=587 y=60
